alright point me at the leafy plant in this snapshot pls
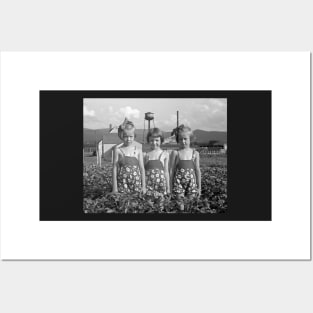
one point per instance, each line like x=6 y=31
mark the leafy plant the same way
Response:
x=98 y=198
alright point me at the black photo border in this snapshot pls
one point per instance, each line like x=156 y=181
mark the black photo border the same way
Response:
x=249 y=155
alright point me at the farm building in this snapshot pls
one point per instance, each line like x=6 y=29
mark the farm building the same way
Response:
x=213 y=147
x=106 y=145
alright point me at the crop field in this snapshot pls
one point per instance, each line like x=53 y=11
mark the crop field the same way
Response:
x=97 y=187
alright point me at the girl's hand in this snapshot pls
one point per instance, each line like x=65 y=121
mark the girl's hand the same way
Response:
x=144 y=190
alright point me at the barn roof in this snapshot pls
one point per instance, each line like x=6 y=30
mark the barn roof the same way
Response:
x=113 y=130
x=112 y=138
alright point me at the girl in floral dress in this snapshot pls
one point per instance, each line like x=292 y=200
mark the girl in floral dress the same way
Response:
x=186 y=175
x=156 y=165
x=128 y=168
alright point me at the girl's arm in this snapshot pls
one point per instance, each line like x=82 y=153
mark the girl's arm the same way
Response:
x=115 y=167
x=144 y=155
x=172 y=166
x=142 y=170
x=166 y=173
x=198 y=172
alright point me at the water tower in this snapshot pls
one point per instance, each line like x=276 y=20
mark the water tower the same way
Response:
x=149 y=116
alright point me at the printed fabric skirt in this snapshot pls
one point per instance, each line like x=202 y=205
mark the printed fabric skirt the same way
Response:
x=185 y=182
x=156 y=183
x=129 y=179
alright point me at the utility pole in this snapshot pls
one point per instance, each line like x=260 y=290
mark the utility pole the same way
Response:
x=177 y=126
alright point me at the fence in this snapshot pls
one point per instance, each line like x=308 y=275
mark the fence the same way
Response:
x=89 y=149
x=205 y=151
x=108 y=152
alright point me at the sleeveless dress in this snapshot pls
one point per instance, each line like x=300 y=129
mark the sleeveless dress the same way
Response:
x=156 y=183
x=185 y=176
x=129 y=175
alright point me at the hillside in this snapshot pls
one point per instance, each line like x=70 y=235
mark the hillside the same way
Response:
x=92 y=135
x=202 y=136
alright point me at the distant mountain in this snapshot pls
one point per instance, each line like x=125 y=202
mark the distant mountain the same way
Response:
x=92 y=135
x=202 y=136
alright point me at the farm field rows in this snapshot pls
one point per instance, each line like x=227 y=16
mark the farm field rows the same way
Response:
x=97 y=187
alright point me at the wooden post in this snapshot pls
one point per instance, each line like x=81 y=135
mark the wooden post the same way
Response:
x=99 y=152
x=100 y=155
x=84 y=163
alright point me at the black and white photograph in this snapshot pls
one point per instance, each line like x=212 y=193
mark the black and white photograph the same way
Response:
x=143 y=167
x=155 y=155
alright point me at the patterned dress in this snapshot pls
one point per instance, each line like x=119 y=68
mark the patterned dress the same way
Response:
x=156 y=182
x=185 y=177
x=129 y=176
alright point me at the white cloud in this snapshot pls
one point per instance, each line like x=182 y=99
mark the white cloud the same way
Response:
x=219 y=102
x=88 y=112
x=130 y=112
x=171 y=122
x=213 y=105
x=206 y=113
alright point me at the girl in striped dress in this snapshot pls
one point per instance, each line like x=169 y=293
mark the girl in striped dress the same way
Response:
x=128 y=168
x=186 y=175
x=156 y=165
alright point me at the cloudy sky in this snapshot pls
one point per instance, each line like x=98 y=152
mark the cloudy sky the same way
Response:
x=205 y=114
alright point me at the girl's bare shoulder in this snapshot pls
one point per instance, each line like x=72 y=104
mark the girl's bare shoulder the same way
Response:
x=139 y=153
x=166 y=154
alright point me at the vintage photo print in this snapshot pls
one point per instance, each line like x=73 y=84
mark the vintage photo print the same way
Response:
x=155 y=155
x=110 y=115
